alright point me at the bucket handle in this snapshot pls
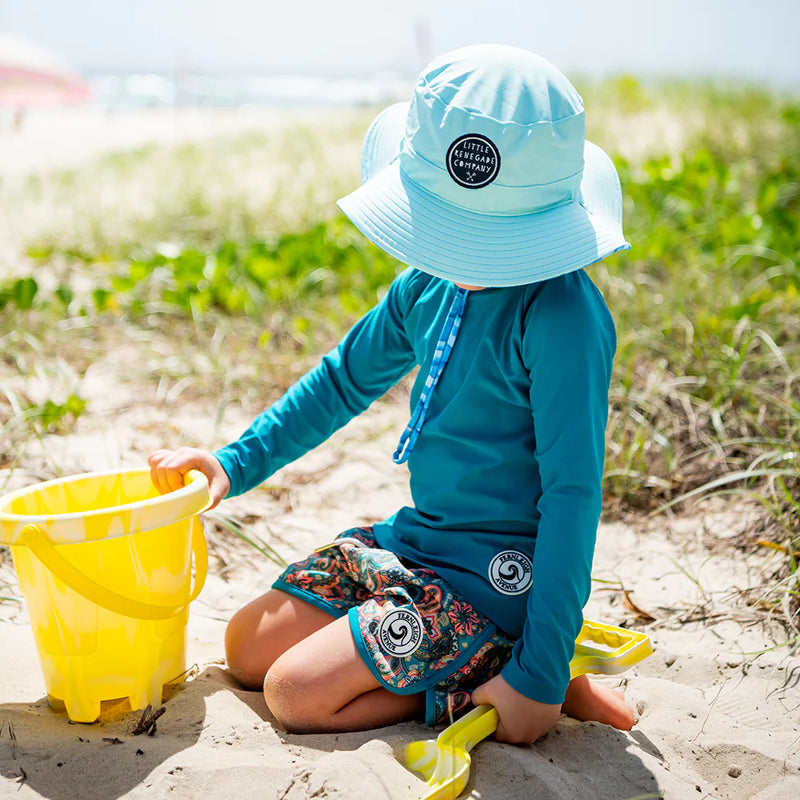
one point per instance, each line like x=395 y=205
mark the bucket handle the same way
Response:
x=35 y=539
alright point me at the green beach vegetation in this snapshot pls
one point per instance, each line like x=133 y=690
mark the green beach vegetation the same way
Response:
x=233 y=251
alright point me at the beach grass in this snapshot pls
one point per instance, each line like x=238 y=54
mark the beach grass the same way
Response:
x=233 y=249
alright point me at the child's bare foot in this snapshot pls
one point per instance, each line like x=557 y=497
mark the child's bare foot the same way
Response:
x=589 y=701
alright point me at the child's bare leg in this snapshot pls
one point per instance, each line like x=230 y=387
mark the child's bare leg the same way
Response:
x=265 y=628
x=322 y=684
x=593 y=701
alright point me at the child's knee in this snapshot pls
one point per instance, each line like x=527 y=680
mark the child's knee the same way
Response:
x=288 y=701
x=246 y=665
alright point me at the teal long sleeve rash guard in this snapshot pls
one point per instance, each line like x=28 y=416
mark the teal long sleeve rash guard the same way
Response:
x=510 y=457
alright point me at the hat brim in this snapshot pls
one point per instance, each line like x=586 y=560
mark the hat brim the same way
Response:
x=383 y=140
x=424 y=231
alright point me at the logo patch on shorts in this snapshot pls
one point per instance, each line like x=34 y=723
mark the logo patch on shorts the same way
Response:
x=473 y=161
x=400 y=632
x=511 y=572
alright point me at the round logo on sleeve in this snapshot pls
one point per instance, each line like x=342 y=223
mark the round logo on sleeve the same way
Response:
x=400 y=632
x=511 y=572
x=473 y=161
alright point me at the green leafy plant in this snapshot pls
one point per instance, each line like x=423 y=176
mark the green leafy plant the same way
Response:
x=52 y=416
x=316 y=280
x=20 y=292
x=708 y=308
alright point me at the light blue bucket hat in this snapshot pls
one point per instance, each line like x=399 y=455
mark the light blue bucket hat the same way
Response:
x=486 y=178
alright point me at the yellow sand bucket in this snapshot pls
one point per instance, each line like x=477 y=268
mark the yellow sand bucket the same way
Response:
x=105 y=563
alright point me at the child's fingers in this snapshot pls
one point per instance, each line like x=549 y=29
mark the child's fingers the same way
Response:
x=157 y=456
x=167 y=468
x=166 y=478
x=156 y=460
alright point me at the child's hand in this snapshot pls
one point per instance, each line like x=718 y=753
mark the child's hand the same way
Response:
x=168 y=467
x=522 y=720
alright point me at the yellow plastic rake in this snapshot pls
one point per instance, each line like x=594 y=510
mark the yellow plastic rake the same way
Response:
x=444 y=762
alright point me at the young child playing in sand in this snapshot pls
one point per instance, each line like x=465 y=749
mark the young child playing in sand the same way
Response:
x=485 y=185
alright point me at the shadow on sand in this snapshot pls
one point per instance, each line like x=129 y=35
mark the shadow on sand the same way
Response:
x=43 y=751
x=215 y=740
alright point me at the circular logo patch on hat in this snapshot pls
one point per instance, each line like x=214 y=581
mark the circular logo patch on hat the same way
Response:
x=511 y=572
x=400 y=632
x=473 y=161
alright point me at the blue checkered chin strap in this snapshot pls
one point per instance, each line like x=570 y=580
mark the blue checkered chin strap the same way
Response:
x=447 y=338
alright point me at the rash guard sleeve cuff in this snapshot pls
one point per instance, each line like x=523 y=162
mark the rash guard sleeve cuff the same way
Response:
x=227 y=459
x=542 y=692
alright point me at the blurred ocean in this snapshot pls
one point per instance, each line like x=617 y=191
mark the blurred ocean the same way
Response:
x=148 y=90
x=129 y=110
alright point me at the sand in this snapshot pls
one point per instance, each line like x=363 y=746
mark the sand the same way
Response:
x=717 y=709
x=714 y=720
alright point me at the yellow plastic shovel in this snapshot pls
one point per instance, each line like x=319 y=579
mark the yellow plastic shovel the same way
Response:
x=444 y=762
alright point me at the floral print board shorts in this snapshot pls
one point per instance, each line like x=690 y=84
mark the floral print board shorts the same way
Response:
x=414 y=632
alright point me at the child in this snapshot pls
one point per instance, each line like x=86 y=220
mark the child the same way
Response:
x=485 y=185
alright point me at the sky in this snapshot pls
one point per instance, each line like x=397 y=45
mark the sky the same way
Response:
x=728 y=39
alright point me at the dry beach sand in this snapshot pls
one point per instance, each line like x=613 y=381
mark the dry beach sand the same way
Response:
x=718 y=710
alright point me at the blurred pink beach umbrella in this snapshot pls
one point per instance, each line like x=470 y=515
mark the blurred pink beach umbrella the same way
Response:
x=32 y=76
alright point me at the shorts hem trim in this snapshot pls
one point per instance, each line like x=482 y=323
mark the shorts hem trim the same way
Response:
x=309 y=597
